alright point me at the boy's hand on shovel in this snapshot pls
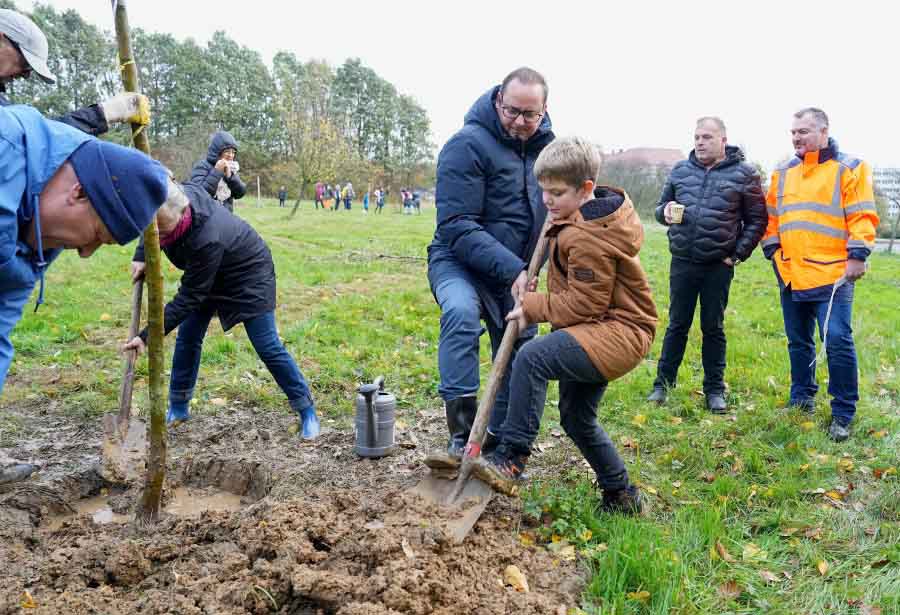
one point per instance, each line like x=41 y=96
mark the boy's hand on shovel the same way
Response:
x=518 y=314
x=136 y=344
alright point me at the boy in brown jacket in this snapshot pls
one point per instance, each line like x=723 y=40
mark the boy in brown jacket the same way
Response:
x=603 y=317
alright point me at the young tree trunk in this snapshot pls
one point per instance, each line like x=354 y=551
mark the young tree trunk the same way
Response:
x=149 y=507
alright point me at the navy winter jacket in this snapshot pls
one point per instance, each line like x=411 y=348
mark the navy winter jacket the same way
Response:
x=205 y=174
x=725 y=209
x=489 y=206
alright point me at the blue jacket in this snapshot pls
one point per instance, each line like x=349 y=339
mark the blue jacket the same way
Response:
x=206 y=176
x=489 y=205
x=32 y=148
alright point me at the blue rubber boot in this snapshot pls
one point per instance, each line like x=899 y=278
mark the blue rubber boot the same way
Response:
x=178 y=413
x=309 y=424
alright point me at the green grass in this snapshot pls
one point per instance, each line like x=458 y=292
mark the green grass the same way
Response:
x=353 y=302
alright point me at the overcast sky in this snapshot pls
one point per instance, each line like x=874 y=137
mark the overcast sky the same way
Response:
x=624 y=74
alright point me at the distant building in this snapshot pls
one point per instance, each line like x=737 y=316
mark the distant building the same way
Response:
x=887 y=183
x=654 y=157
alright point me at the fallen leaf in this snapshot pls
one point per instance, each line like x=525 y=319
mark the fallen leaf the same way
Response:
x=398 y=424
x=880 y=563
x=675 y=420
x=526 y=539
x=374 y=525
x=708 y=477
x=807 y=425
x=649 y=489
x=789 y=531
x=768 y=577
x=871 y=531
x=639 y=420
x=815 y=533
x=723 y=553
x=105 y=316
x=845 y=465
x=880 y=473
x=218 y=401
x=878 y=435
x=28 y=601
x=556 y=433
x=752 y=552
x=514 y=577
x=834 y=495
x=407 y=550
x=804 y=467
x=640 y=596
x=585 y=535
x=677 y=484
x=627 y=442
x=729 y=590
x=822 y=567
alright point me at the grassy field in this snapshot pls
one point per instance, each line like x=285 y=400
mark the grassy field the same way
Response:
x=756 y=512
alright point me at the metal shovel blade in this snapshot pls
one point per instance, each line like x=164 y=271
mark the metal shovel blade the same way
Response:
x=466 y=509
x=124 y=449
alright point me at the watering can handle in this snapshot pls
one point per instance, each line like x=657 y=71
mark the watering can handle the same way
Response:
x=379 y=382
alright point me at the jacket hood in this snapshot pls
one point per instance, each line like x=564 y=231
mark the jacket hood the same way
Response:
x=733 y=155
x=611 y=216
x=220 y=141
x=484 y=113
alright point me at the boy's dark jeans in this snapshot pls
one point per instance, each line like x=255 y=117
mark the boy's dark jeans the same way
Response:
x=688 y=281
x=558 y=356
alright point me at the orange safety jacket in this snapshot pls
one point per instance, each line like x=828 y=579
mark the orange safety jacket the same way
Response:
x=821 y=212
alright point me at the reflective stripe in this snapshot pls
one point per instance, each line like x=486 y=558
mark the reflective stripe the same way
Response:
x=861 y=206
x=812 y=226
x=794 y=161
x=836 y=195
x=772 y=210
x=770 y=241
x=860 y=243
x=780 y=194
x=828 y=210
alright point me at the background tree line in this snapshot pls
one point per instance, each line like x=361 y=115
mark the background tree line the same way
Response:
x=297 y=122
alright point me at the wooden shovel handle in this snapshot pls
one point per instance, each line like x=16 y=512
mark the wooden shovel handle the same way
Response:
x=137 y=296
x=501 y=360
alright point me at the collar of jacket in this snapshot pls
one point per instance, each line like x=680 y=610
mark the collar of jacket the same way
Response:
x=733 y=155
x=484 y=113
x=820 y=156
x=606 y=202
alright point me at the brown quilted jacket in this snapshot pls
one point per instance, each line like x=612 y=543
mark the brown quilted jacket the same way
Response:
x=598 y=291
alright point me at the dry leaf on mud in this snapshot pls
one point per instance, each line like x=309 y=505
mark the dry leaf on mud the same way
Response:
x=514 y=577
x=768 y=577
x=640 y=596
x=407 y=550
x=729 y=590
x=526 y=539
x=822 y=567
x=723 y=553
x=28 y=601
x=374 y=525
x=752 y=553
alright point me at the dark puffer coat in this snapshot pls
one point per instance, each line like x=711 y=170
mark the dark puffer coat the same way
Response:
x=227 y=266
x=725 y=209
x=489 y=205
x=205 y=174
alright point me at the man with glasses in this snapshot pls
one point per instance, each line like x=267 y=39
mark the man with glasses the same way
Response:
x=489 y=215
x=23 y=50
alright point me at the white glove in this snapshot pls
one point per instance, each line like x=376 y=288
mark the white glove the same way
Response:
x=127 y=107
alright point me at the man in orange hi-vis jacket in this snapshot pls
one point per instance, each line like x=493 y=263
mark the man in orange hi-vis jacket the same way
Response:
x=821 y=230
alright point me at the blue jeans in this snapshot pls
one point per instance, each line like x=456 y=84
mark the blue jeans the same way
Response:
x=461 y=329
x=800 y=319
x=559 y=356
x=263 y=335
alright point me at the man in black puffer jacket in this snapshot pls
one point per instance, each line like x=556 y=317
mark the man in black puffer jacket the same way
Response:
x=724 y=217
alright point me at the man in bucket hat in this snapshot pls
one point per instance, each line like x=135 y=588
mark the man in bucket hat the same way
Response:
x=61 y=188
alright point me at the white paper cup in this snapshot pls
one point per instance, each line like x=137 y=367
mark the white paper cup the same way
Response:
x=676 y=211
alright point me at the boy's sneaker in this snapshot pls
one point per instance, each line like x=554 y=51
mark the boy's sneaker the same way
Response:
x=502 y=469
x=627 y=501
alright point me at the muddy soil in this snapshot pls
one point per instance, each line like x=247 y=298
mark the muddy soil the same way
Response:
x=322 y=531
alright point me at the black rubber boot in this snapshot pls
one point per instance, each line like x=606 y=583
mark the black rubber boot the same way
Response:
x=460 y=416
x=627 y=501
x=490 y=443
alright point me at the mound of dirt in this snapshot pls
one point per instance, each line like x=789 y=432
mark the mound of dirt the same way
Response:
x=341 y=552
